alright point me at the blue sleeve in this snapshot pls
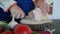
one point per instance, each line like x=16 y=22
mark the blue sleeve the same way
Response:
x=5 y=16
x=26 y=5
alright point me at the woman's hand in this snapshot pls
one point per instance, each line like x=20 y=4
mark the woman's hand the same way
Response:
x=17 y=12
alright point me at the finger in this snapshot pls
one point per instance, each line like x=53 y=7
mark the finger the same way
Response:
x=22 y=15
x=18 y=16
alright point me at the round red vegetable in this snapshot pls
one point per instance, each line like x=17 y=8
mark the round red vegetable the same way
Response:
x=22 y=29
x=7 y=32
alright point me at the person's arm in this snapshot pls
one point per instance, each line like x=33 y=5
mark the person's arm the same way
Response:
x=11 y=5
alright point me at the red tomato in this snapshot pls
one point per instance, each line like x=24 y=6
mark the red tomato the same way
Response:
x=7 y=32
x=22 y=29
x=0 y=28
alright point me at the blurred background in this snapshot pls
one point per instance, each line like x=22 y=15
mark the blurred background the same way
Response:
x=55 y=14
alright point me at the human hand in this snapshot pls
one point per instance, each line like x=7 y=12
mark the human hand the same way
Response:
x=17 y=12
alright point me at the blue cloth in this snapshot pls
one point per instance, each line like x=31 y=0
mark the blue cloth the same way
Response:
x=26 y=5
x=4 y=16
